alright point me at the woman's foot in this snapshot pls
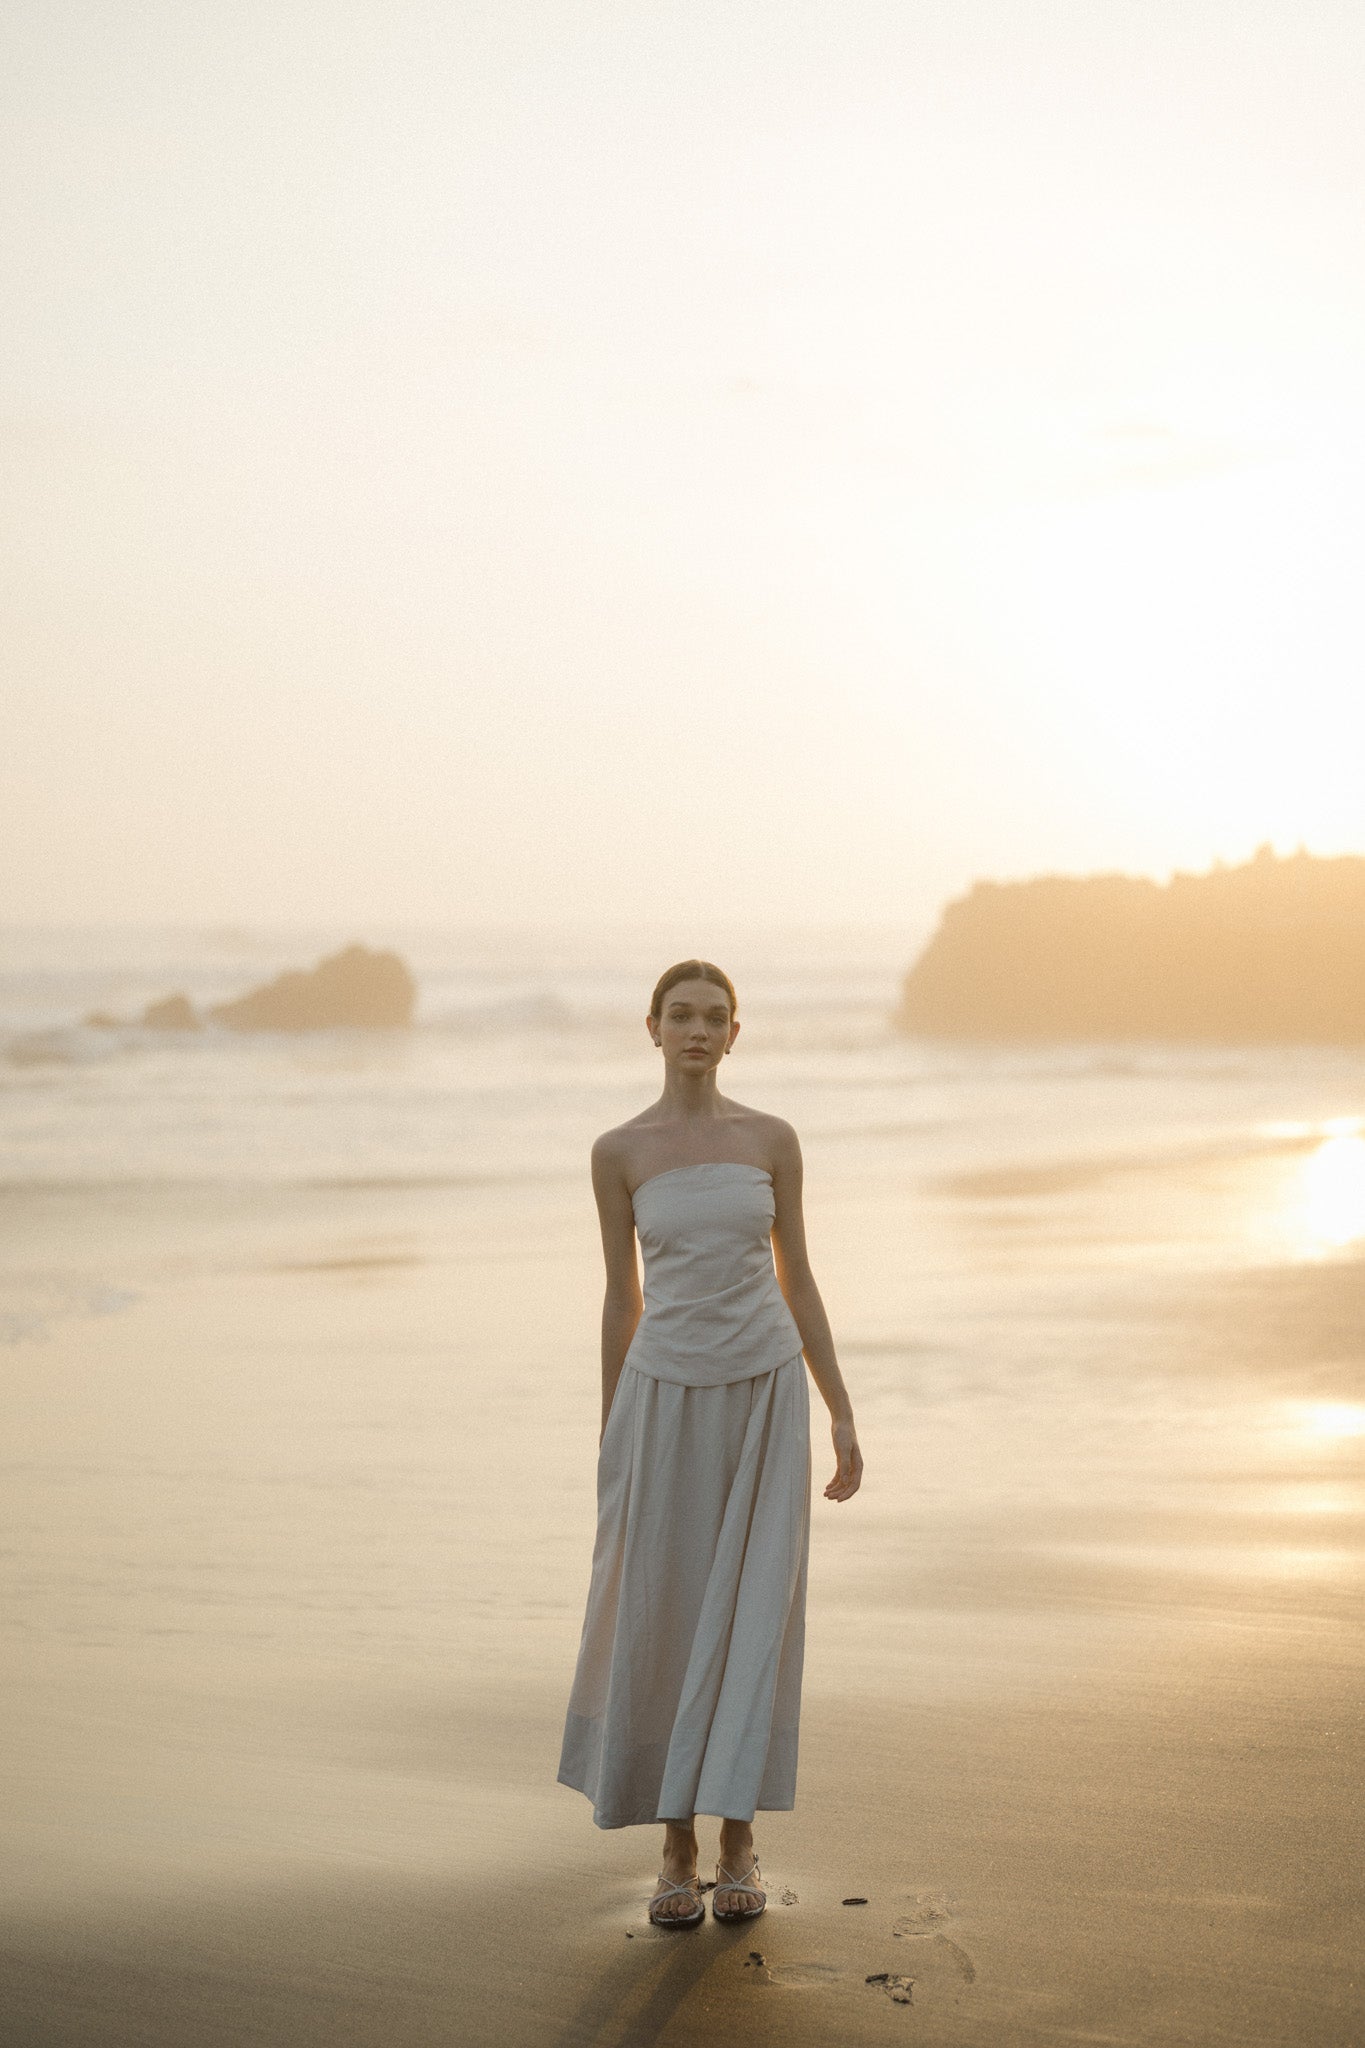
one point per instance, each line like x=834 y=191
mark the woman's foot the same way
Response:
x=679 y=1867
x=678 y=1905
x=743 y=1897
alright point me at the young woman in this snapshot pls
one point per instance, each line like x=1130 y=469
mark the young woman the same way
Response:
x=687 y=1695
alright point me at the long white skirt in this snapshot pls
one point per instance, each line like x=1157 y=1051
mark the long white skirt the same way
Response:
x=687 y=1696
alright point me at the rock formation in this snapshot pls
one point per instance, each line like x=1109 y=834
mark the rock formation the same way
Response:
x=172 y=1013
x=353 y=987
x=1272 y=951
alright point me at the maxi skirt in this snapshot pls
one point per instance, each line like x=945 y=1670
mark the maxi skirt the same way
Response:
x=687 y=1695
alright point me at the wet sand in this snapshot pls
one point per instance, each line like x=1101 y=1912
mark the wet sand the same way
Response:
x=298 y=1541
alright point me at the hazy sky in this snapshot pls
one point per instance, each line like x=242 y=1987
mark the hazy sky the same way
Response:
x=752 y=459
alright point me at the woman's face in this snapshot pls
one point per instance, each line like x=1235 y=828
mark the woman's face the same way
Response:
x=696 y=1029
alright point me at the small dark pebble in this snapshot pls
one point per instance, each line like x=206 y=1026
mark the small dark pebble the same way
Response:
x=880 y=1978
x=756 y=1959
x=707 y=1884
x=855 y=1902
x=629 y=1935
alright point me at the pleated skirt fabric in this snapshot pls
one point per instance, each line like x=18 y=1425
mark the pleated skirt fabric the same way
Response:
x=687 y=1694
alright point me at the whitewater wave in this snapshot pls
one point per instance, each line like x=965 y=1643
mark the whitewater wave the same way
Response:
x=538 y=1012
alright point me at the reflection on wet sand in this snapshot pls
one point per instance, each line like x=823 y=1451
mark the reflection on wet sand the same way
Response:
x=1334 y=1418
x=1333 y=1190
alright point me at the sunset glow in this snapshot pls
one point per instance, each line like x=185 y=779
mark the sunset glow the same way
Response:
x=682 y=704
x=1327 y=1207
x=1334 y=1419
x=425 y=472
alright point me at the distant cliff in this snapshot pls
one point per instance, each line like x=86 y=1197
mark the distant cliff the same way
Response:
x=1273 y=951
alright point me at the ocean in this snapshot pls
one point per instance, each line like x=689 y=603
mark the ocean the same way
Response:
x=526 y=1044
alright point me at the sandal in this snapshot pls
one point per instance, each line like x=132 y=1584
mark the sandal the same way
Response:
x=691 y=1885
x=726 y=1883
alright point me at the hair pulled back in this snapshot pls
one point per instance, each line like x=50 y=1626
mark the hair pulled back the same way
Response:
x=692 y=970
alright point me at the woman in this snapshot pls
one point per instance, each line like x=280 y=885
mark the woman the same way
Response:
x=687 y=1694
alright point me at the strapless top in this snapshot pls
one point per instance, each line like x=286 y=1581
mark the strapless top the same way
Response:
x=713 y=1309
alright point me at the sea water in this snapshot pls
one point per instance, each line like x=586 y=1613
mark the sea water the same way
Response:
x=526 y=1044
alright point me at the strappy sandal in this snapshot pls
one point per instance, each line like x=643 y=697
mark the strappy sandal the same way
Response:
x=726 y=1883
x=692 y=1886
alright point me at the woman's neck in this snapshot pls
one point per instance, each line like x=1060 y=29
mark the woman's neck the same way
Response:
x=692 y=1098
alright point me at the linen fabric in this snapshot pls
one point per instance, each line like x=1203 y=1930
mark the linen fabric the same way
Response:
x=713 y=1309
x=687 y=1695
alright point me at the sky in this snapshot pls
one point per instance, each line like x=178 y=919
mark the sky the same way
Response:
x=757 y=461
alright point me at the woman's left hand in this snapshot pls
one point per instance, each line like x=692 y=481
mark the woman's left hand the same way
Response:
x=848 y=1476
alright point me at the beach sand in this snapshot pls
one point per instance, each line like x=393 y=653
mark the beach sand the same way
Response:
x=298 y=1514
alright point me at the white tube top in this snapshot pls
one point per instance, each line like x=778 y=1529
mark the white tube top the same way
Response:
x=713 y=1309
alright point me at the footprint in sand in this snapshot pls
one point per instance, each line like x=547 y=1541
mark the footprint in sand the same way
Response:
x=928 y=1913
x=803 y=1976
x=959 y=1956
x=925 y=1922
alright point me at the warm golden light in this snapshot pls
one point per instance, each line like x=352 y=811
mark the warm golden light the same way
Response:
x=1315 y=1204
x=1333 y=1188
x=1335 y=1418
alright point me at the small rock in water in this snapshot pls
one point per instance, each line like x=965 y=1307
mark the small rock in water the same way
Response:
x=352 y=987
x=172 y=1013
x=855 y=1902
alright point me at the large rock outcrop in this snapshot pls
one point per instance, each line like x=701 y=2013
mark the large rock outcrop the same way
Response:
x=1272 y=951
x=352 y=987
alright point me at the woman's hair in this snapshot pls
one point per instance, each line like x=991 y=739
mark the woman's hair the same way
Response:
x=692 y=970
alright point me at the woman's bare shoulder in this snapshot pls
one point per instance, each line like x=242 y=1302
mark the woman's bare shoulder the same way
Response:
x=771 y=1136
x=614 y=1149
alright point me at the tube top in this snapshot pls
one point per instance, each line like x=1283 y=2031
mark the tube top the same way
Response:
x=713 y=1309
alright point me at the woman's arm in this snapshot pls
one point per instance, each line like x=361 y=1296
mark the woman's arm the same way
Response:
x=797 y=1282
x=623 y=1304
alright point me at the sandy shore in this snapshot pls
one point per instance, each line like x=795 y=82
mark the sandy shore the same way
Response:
x=298 y=1543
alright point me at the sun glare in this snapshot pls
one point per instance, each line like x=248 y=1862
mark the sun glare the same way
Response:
x=1332 y=1188
x=1314 y=1203
x=1334 y=1418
